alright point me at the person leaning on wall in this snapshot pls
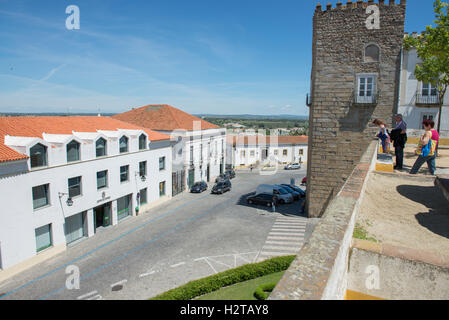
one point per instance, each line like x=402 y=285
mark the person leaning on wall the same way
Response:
x=399 y=137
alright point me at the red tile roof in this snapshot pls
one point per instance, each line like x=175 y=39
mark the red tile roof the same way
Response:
x=269 y=140
x=163 y=118
x=36 y=126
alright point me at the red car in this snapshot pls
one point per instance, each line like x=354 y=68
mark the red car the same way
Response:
x=304 y=181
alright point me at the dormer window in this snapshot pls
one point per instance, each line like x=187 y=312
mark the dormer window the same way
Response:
x=142 y=142
x=38 y=156
x=100 y=147
x=123 y=144
x=372 y=53
x=73 y=151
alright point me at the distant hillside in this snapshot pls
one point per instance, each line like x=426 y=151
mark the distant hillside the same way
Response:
x=254 y=116
x=61 y=114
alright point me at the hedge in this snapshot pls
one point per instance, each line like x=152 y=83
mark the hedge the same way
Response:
x=217 y=281
x=260 y=292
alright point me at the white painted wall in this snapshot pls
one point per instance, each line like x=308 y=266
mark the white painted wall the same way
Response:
x=211 y=140
x=409 y=86
x=18 y=220
x=248 y=159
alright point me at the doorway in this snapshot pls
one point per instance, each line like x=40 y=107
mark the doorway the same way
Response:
x=102 y=216
x=208 y=173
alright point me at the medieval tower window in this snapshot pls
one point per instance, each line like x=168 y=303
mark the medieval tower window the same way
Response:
x=372 y=53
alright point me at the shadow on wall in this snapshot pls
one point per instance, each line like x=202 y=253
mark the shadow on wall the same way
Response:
x=356 y=119
x=436 y=219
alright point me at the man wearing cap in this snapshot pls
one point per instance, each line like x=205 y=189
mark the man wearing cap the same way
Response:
x=399 y=136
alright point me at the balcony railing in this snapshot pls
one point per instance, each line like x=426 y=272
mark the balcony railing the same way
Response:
x=427 y=99
x=366 y=100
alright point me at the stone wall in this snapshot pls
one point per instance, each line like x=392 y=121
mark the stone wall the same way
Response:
x=340 y=130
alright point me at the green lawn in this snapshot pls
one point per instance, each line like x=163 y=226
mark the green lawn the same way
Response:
x=242 y=291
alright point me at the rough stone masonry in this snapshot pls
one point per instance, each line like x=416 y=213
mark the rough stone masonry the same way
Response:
x=340 y=126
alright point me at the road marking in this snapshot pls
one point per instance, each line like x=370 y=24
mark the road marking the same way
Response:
x=177 y=265
x=283 y=234
x=288 y=229
x=147 y=274
x=281 y=248
x=119 y=283
x=87 y=295
x=299 y=242
x=97 y=297
x=286 y=238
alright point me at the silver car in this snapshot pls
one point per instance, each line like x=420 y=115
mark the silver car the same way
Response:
x=293 y=166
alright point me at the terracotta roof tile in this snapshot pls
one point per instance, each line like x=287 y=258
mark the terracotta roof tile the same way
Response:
x=36 y=126
x=163 y=118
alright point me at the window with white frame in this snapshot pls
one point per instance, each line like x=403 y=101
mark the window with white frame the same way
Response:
x=124 y=173
x=142 y=168
x=366 y=88
x=427 y=116
x=102 y=179
x=74 y=187
x=38 y=156
x=429 y=90
x=161 y=163
x=73 y=151
x=123 y=144
x=100 y=148
x=43 y=237
x=142 y=142
x=41 y=196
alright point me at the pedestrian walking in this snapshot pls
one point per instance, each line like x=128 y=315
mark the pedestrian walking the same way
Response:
x=426 y=148
x=273 y=203
x=383 y=135
x=399 y=137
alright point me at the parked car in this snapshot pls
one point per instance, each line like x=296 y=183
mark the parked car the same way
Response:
x=231 y=173
x=222 y=187
x=282 y=194
x=263 y=199
x=293 y=166
x=304 y=181
x=199 y=187
x=301 y=192
x=223 y=177
x=296 y=195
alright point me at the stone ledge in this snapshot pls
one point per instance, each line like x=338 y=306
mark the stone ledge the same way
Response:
x=321 y=265
x=411 y=254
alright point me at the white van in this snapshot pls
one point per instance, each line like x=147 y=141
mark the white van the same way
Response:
x=283 y=195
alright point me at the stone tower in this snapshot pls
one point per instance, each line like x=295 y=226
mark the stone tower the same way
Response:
x=355 y=79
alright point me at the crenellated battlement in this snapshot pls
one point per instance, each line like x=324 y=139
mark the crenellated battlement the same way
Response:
x=357 y=4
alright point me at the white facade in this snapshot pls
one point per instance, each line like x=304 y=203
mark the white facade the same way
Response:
x=18 y=218
x=416 y=104
x=245 y=154
x=201 y=153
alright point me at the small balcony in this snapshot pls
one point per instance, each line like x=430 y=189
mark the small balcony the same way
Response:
x=366 y=100
x=427 y=100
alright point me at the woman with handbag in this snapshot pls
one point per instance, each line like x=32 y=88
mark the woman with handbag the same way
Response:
x=426 y=149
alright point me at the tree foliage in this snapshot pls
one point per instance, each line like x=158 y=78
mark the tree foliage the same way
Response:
x=432 y=47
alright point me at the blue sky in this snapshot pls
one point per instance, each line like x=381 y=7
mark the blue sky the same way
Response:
x=226 y=57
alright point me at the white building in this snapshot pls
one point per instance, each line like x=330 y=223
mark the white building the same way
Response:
x=199 y=149
x=418 y=101
x=246 y=150
x=64 y=178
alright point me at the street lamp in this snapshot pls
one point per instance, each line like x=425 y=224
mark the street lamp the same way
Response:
x=69 y=199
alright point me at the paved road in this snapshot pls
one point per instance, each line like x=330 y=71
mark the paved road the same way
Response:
x=190 y=237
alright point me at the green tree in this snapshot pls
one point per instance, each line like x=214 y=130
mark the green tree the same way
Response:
x=432 y=47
